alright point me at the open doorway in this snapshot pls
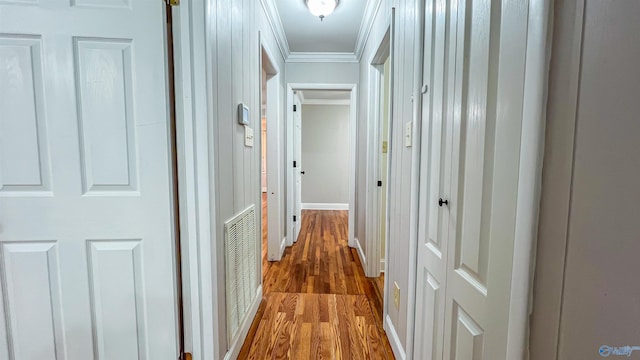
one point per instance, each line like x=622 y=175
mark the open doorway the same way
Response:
x=324 y=141
x=380 y=148
x=383 y=169
x=272 y=222
x=328 y=166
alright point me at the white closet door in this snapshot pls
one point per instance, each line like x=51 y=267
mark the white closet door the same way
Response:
x=433 y=229
x=86 y=244
x=474 y=51
x=466 y=316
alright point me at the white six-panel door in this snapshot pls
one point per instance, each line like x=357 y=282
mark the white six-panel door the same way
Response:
x=433 y=227
x=466 y=241
x=86 y=244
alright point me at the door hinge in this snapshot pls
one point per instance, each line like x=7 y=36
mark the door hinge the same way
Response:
x=295 y=218
x=379 y=183
x=173 y=2
x=295 y=108
x=295 y=164
x=185 y=356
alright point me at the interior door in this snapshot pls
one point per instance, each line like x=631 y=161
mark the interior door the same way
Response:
x=466 y=248
x=468 y=313
x=297 y=175
x=433 y=231
x=86 y=234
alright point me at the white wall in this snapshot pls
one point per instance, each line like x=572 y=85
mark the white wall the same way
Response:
x=325 y=149
x=322 y=73
x=234 y=26
x=586 y=282
x=401 y=235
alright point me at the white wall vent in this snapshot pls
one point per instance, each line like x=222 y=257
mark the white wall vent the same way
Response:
x=241 y=268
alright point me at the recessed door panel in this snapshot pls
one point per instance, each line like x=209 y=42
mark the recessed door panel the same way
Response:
x=30 y=281
x=468 y=339
x=24 y=158
x=117 y=298
x=105 y=106
x=473 y=212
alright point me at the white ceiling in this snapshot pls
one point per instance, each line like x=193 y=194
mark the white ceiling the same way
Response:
x=306 y=33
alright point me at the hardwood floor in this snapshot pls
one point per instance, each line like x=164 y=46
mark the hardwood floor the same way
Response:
x=317 y=303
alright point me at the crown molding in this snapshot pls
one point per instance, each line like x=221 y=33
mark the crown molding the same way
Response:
x=322 y=57
x=370 y=12
x=273 y=17
x=275 y=22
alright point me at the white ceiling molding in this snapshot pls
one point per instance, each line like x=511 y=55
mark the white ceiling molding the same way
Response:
x=275 y=22
x=326 y=102
x=322 y=57
x=373 y=6
x=276 y=25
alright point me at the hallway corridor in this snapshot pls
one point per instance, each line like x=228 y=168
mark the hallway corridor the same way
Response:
x=317 y=302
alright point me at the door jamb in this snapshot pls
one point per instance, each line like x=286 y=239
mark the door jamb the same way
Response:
x=376 y=69
x=275 y=239
x=193 y=52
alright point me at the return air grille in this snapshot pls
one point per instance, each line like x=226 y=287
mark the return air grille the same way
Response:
x=241 y=269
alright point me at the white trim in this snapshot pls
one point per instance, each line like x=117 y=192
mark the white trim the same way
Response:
x=193 y=55
x=394 y=340
x=353 y=110
x=241 y=335
x=275 y=167
x=529 y=175
x=370 y=12
x=322 y=57
x=363 y=259
x=264 y=189
x=324 y=206
x=326 y=102
x=373 y=196
x=273 y=18
x=415 y=176
x=283 y=245
x=392 y=61
x=383 y=266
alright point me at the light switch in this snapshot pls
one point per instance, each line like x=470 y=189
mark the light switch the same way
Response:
x=248 y=136
x=408 y=134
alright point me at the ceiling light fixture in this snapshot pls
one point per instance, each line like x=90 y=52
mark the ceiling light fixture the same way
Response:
x=321 y=8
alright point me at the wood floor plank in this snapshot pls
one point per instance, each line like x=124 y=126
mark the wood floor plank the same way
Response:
x=317 y=302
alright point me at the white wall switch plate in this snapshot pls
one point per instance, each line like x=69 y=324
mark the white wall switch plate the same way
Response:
x=408 y=134
x=248 y=136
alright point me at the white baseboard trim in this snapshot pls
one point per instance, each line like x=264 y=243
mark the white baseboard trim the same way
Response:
x=394 y=340
x=383 y=267
x=278 y=256
x=324 y=206
x=236 y=346
x=264 y=189
x=283 y=245
x=363 y=259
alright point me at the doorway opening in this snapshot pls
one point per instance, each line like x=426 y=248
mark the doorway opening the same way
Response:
x=271 y=139
x=322 y=133
x=380 y=147
x=318 y=167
